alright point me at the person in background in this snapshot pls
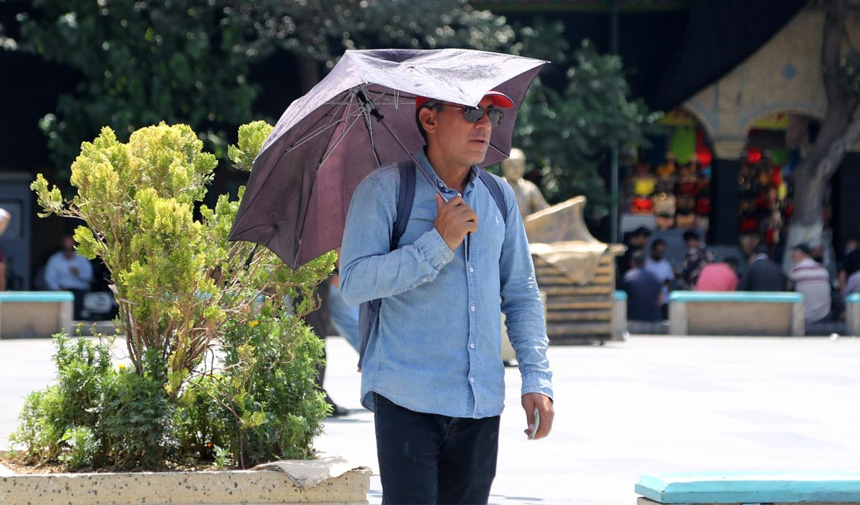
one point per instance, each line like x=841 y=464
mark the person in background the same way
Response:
x=69 y=271
x=5 y=218
x=643 y=291
x=2 y=271
x=719 y=276
x=344 y=317
x=657 y=265
x=852 y=285
x=318 y=320
x=850 y=263
x=696 y=259
x=529 y=197
x=811 y=280
x=635 y=241
x=761 y=273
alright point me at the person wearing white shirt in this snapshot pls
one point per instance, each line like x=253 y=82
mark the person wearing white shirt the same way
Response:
x=69 y=271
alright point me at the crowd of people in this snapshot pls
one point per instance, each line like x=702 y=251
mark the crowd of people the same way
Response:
x=650 y=277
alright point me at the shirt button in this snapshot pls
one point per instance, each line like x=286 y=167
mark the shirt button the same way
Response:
x=426 y=279
x=471 y=346
x=471 y=269
x=471 y=379
x=473 y=308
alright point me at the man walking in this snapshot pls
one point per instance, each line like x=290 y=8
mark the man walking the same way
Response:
x=432 y=371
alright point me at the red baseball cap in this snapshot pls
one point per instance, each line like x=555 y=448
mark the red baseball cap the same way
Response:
x=500 y=100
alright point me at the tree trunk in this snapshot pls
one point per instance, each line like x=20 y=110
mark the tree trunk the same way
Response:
x=834 y=139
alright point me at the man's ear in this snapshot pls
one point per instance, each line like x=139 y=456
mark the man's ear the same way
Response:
x=427 y=117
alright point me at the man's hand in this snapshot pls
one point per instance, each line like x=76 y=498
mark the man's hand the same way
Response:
x=532 y=401
x=454 y=220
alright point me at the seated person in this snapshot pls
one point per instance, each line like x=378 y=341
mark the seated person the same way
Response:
x=69 y=271
x=762 y=274
x=719 y=276
x=811 y=279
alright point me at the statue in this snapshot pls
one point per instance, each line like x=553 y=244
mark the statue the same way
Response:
x=529 y=197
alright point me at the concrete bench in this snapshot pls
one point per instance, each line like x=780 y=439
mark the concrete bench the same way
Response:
x=852 y=314
x=736 y=313
x=30 y=314
x=748 y=488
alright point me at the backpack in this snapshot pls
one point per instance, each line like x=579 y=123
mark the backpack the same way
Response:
x=368 y=312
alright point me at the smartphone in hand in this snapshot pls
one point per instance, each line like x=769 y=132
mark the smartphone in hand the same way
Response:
x=537 y=425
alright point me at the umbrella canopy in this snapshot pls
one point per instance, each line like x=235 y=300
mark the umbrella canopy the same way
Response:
x=361 y=116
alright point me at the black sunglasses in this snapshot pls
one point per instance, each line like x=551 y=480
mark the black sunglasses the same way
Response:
x=474 y=114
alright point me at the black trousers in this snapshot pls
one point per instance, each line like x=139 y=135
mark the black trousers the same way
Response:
x=428 y=458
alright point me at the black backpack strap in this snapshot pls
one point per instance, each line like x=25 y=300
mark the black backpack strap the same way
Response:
x=405 y=197
x=368 y=312
x=495 y=191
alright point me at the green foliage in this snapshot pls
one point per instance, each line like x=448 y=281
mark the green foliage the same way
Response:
x=568 y=134
x=82 y=447
x=251 y=138
x=185 y=294
x=187 y=61
x=267 y=403
x=134 y=426
x=140 y=63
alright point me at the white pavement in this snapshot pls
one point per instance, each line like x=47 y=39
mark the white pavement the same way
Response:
x=651 y=404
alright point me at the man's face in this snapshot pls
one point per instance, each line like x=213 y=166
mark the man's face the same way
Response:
x=797 y=256
x=658 y=252
x=459 y=141
x=68 y=247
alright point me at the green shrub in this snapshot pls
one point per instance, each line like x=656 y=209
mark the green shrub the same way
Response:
x=222 y=367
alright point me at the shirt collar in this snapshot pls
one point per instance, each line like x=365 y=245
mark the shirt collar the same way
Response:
x=421 y=158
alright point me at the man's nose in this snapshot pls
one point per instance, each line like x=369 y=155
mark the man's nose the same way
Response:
x=484 y=122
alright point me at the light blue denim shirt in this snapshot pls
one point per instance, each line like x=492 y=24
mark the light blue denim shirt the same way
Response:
x=437 y=347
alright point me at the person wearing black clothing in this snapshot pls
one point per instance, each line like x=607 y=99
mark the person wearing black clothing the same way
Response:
x=762 y=274
x=850 y=263
x=643 y=291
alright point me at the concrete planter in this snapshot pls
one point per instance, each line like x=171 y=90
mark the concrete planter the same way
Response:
x=317 y=481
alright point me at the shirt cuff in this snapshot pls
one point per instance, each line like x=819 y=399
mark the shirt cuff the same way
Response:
x=538 y=382
x=434 y=248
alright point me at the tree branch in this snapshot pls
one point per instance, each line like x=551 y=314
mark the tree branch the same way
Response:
x=834 y=26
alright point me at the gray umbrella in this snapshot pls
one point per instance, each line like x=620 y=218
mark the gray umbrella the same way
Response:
x=361 y=116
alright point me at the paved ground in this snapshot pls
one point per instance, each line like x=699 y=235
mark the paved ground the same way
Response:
x=652 y=404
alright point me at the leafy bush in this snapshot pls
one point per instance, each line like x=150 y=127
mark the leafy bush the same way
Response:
x=221 y=364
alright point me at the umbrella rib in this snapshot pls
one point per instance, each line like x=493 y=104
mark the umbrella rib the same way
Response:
x=342 y=136
x=314 y=135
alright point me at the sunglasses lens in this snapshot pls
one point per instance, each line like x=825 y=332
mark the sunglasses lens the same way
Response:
x=496 y=117
x=473 y=114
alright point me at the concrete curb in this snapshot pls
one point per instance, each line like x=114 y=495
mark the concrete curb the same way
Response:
x=181 y=488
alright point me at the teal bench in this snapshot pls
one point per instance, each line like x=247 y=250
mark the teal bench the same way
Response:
x=852 y=314
x=736 y=313
x=748 y=488
x=32 y=314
